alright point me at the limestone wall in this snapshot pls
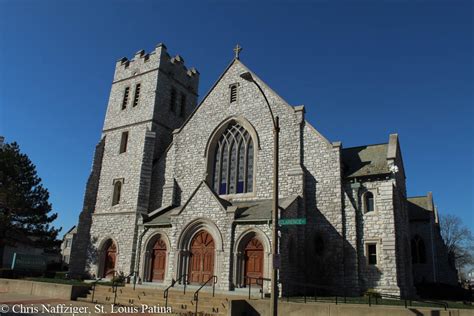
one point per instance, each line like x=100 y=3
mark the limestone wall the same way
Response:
x=323 y=204
x=378 y=227
x=187 y=160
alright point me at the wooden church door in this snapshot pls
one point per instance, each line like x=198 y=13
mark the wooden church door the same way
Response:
x=110 y=258
x=201 y=265
x=158 y=261
x=253 y=260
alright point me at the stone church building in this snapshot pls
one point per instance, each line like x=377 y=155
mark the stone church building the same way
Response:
x=180 y=188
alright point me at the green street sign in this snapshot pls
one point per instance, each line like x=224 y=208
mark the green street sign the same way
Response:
x=292 y=221
x=23 y=262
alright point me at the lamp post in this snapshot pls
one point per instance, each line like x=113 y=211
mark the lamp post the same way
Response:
x=275 y=258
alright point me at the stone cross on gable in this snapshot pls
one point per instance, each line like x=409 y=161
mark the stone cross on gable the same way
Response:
x=237 y=50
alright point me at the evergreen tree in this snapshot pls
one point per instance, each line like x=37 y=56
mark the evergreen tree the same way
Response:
x=25 y=213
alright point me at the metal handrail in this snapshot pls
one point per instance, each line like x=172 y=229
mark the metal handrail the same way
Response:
x=408 y=301
x=258 y=279
x=376 y=296
x=316 y=288
x=94 y=284
x=115 y=285
x=196 y=294
x=184 y=278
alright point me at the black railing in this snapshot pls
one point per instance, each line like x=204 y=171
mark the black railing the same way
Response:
x=196 y=294
x=94 y=284
x=321 y=293
x=249 y=282
x=118 y=279
x=407 y=301
x=183 y=278
x=316 y=291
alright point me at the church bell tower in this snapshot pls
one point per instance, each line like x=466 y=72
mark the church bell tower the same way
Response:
x=151 y=95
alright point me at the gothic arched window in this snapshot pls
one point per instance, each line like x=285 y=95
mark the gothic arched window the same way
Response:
x=233 y=161
x=418 y=251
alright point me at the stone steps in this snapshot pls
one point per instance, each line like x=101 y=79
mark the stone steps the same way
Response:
x=150 y=301
x=180 y=303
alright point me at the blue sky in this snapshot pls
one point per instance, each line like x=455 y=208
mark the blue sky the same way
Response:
x=363 y=69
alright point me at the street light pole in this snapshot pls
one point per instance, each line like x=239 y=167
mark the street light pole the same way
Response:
x=275 y=258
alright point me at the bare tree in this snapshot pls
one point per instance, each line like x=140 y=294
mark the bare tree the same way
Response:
x=458 y=239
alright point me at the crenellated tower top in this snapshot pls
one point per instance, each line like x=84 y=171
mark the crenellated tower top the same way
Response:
x=159 y=59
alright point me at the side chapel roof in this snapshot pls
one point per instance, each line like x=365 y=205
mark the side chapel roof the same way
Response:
x=365 y=160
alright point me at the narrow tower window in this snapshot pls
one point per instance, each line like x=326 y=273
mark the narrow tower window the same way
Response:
x=125 y=98
x=182 y=111
x=117 y=192
x=233 y=93
x=368 y=202
x=137 y=95
x=124 y=142
x=173 y=100
x=372 y=254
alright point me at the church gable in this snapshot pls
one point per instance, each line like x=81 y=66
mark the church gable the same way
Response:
x=235 y=100
x=203 y=202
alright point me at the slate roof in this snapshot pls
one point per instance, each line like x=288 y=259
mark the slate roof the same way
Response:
x=259 y=210
x=365 y=160
x=418 y=208
x=161 y=217
x=73 y=230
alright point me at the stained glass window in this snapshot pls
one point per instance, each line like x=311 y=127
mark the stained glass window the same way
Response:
x=233 y=161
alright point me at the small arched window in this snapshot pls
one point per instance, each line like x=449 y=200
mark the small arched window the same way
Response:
x=418 y=251
x=233 y=161
x=117 y=192
x=368 y=202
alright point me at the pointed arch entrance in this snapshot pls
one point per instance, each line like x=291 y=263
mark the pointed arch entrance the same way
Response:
x=109 y=259
x=251 y=255
x=201 y=261
x=253 y=260
x=158 y=261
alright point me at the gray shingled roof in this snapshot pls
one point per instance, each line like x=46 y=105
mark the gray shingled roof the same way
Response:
x=418 y=208
x=365 y=160
x=259 y=210
x=162 y=218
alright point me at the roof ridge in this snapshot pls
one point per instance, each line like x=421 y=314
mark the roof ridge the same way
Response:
x=378 y=144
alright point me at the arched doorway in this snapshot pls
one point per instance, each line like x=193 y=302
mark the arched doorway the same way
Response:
x=253 y=260
x=158 y=261
x=110 y=258
x=201 y=264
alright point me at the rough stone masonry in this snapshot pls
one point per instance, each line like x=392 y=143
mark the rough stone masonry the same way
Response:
x=181 y=189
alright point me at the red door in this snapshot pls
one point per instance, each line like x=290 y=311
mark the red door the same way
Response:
x=201 y=265
x=109 y=264
x=158 y=261
x=253 y=260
